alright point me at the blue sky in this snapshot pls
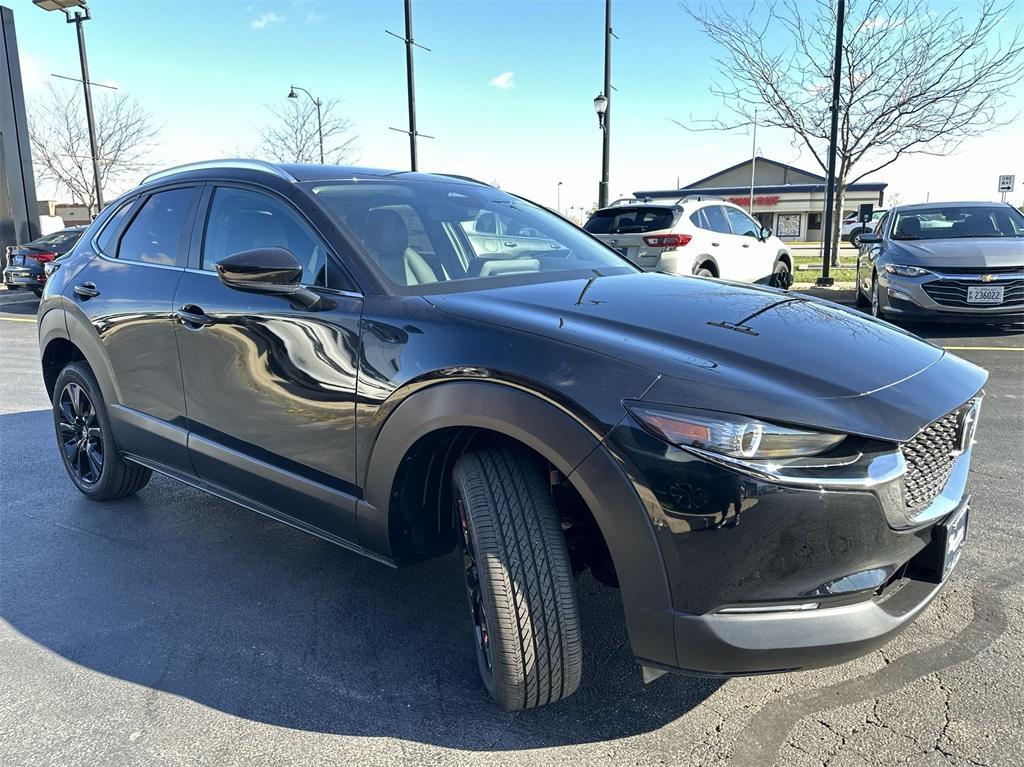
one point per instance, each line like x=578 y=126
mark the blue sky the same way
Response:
x=206 y=70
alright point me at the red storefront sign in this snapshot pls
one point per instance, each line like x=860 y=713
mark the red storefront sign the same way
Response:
x=765 y=200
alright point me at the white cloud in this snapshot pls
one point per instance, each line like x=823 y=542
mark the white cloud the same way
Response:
x=32 y=71
x=264 y=20
x=312 y=17
x=504 y=81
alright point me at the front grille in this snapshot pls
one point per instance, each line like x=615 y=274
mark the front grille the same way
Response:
x=954 y=292
x=979 y=269
x=930 y=457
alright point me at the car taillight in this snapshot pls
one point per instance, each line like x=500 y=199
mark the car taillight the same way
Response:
x=667 y=240
x=42 y=257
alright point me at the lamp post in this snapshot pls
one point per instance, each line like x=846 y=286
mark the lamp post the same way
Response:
x=319 y=120
x=559 y=197
x=601 y=107
x=81 y=14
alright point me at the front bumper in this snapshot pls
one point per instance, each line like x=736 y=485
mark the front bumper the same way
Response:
x=767 y=576
x=788 y=640
x=939 y=296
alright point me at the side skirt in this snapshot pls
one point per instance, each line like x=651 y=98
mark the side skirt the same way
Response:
x=259 y=508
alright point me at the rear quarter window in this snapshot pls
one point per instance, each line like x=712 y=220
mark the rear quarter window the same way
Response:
x=630 y=220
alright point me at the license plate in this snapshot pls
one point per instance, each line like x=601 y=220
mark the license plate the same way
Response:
x=984 y=294
x=17 y=260
x=953 y=536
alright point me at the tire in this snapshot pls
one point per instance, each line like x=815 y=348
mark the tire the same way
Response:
x=781 y=277
x=863 y=302
x=876 y=298
x=704 y=272
x=38 y=292
x=518 y=578
x=855 y=238
x=85 y=440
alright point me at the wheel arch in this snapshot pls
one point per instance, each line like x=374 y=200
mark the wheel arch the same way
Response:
x=570 y=446
x=706 y=258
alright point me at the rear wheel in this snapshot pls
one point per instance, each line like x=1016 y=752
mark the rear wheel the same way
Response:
x=85 y=439
x=855 y=238
x=704 y=271
x=518 y=578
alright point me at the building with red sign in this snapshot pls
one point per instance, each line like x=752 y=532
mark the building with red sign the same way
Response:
x=789 y=200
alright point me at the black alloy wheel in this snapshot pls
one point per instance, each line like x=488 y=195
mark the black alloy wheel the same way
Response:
x=80 y=434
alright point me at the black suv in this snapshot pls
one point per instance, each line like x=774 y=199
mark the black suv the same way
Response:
x=774 y=482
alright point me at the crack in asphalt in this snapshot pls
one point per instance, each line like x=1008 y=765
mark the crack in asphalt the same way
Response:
x=769 y=730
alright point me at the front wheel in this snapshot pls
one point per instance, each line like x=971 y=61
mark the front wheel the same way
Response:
x=522 y=599
x=781 y=277
x=855 y=239
x=876 y=298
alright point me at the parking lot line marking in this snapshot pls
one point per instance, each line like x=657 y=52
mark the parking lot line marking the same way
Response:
x=19 y=319
x=986 y=348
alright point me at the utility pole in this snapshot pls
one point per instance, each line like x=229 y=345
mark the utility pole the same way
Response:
x=410 y=80
x=753 y=163
x=602 y=194
x=830 y=184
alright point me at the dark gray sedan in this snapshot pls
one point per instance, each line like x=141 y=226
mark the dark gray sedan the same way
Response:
x=960 y=261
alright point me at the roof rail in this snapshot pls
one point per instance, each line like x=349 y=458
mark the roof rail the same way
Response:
x=260 y=165
x=462 y=178
x=697 y=198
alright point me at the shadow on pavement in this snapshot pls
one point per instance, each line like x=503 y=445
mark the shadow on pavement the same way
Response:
x=182 y=592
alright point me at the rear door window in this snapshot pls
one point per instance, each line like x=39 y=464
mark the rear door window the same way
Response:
x=631 y=220
x=159 y=233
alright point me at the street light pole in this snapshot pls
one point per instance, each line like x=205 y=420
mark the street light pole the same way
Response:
x=606 y=114
x=410 y=78
x=81 y=14
x=319 y=117
x=559 y=198
x=830 y=183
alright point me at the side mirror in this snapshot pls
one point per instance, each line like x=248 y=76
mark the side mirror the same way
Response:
x=870 y=239
x=274 y=271
x=766 y=232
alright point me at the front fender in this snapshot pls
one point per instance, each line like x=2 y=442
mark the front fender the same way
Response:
x=572 y=447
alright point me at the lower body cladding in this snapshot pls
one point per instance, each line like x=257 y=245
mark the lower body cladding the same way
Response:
x=769 y=578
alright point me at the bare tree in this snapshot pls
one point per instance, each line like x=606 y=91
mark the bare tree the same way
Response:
x=291 y=135
x=60 y=141
x=915 y=80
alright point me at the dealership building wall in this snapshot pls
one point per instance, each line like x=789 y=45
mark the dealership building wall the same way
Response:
x=789 y=200
x=19 y=216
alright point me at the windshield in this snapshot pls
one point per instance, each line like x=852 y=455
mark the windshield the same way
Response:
x=425 y=236
x=631 y=220
x=958 y=221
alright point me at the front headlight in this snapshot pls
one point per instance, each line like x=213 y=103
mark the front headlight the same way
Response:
x=906 y=271
x=732 y=435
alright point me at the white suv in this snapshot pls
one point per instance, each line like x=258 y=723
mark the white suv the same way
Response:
x=702 y=236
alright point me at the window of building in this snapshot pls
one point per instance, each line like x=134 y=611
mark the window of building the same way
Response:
x=814 y=221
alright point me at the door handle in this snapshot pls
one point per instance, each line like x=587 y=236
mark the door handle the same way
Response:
x=86 y=290
x=193 y=317
x=715 y=244
x=746 y=245
x=510 y=244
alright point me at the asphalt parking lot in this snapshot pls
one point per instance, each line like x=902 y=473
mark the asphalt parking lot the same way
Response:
x=176 y=628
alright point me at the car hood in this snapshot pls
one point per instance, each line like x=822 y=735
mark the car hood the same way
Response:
x=980 y=252
x=743 y=349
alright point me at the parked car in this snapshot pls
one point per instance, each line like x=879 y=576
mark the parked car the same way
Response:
x=276 y=335
x=25 y=265
x=701 y=236
x=853 y=228
x=956 y=261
